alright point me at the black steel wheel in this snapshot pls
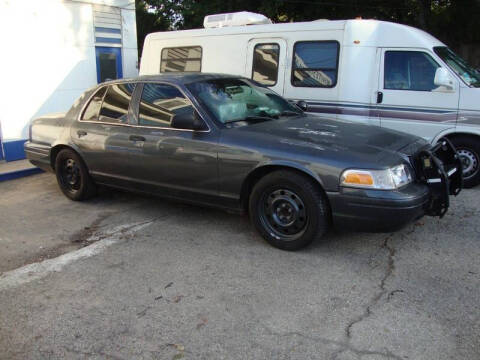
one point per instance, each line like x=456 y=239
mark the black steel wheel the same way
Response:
x=289 y=209
x=283 y=213
x=72 y=176
x=468 y=148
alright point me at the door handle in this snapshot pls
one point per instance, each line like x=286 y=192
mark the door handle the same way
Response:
x=136 y=138
x=81 y=133
x=379 y=97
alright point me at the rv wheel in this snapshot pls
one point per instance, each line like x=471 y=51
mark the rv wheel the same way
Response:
x=469 y=150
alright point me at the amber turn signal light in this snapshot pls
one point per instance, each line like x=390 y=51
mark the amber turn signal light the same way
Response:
x=357 y=178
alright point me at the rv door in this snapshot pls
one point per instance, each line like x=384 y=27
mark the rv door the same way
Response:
x=266 y=59
x=409 y=96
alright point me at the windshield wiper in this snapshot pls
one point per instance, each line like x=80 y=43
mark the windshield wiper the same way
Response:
x=252 y=118
x=290 y=113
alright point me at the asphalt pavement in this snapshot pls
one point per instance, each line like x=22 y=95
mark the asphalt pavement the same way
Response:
x=124 y=276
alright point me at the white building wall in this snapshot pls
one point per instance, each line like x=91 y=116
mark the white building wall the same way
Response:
x=129 y=49
x=47 y=57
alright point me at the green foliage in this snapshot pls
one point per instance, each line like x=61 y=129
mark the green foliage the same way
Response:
x=156 y=15
x=452 y=21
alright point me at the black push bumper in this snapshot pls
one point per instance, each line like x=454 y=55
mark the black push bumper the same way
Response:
x=438 y=175
x=441 y=169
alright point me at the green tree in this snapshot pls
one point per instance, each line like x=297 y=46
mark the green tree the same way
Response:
x=156 y=15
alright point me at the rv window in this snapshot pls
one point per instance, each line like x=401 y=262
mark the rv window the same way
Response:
x=115 y=104
x=315 y=64
x=265 y=63
x=409 y=70
x=188 y=59
x=93 y=108
x=159 y=103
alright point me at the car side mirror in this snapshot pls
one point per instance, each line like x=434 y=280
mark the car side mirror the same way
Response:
x=188 y=121
x=443 y=78
x=302 y=105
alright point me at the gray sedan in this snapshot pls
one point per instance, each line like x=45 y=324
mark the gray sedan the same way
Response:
x=224 y=141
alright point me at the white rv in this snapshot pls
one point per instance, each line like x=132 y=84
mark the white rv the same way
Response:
x=376 y=72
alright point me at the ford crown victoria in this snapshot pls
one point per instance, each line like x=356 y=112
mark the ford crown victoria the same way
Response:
x=225 y=141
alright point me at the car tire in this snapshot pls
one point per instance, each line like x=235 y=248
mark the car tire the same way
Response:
x=73 y=177
x=469 y=150
x=289 y=209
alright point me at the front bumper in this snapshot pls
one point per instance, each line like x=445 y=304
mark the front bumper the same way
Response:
x=438 y=173
x=378 y=210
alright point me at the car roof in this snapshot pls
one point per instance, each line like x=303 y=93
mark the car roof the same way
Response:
x=177 y=77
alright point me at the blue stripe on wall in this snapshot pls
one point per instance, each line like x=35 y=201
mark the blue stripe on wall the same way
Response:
x=14 y=150
x=18 y=174
x=108 y=30
x=108 y=40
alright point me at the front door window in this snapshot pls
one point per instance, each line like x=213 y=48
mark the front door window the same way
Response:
x=160 y=103
x=409 y=70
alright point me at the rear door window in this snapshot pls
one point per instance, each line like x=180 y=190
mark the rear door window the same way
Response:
x=93 y=108
x=116 y=103
x=265 y=63
x=409 y=70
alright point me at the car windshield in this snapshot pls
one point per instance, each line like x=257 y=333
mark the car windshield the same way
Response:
x=232 y=100
x=460 y=66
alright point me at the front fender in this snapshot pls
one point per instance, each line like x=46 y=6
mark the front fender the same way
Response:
x=465 y=130
x=290 y=164
x=266 y=167
x=443 y=134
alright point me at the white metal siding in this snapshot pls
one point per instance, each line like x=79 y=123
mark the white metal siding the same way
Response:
x=108 y=25
x=107 y=16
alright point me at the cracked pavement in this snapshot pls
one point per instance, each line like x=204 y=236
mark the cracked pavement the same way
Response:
x=131 y=277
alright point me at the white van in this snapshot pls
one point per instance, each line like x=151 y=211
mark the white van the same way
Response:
x=376 y=72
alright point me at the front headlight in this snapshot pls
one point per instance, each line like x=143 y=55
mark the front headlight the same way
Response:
x=388 y=179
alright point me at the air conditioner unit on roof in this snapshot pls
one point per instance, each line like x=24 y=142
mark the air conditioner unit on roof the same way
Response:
x=235 y=19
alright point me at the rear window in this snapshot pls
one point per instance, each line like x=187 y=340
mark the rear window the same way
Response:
x=116 y=102
x=187 y=59
x=315 y=64
x=93 y=108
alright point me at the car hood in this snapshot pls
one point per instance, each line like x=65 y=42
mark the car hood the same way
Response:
x=344 y=140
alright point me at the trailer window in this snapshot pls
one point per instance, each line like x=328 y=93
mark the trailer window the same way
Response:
x=409 y=70
x=187 y=58
x=315 y=63
x=265 y=63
